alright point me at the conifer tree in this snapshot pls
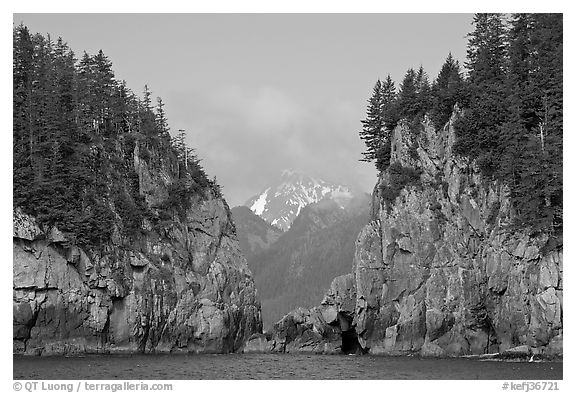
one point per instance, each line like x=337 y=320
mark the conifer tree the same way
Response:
x=390 y=119
x=104 y=85
x=389 y=108
x=486 y=52
x=408 y=104
x=512 y=123
x=532 y=136
x=373 y=125
x=161 y=120
x=147 y=117
x=23 y=53
x=122 y=116
x=477 y=132
x=447 y=90
x=423 y=91
x=75 y=130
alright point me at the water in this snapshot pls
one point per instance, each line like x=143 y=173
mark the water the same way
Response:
x=275 y=366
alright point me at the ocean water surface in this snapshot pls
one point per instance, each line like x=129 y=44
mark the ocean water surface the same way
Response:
x=275 y=366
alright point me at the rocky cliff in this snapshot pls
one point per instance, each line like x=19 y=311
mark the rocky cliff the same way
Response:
x=440 y=270
x=183 y=285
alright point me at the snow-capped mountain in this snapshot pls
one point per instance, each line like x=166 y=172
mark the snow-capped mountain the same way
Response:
x=280 y=203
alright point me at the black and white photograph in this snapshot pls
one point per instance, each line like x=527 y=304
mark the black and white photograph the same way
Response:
x=287 y=196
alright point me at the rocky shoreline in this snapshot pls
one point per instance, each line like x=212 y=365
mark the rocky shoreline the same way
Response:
x=260 y=343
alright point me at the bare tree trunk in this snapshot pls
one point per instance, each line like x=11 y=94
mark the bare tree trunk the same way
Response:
x=541 y=126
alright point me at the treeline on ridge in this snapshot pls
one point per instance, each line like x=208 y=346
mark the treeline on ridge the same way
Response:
x=75 y=129
x=512 y=101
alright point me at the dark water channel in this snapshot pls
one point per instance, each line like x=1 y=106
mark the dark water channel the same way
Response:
x=275 y=366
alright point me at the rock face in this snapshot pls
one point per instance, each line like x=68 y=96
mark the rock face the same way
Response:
x=440 y=271
x=184 y=286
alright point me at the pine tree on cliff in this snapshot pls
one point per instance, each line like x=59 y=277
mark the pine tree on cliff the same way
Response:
x=184 y=153
x=44 y=108
x=532 y=136
x=548 y=41
x=373 y=125
x=389 y=112
x=84 y=94
x=104 y=85
x=477 y=132
x=147 y=117
x=163 y=129
x=75 y=128
x=64 y=67
x=123 y=116
x=408 y=103
x=389 y=109
x=23 y=133
x=447 y=90
x=423 y=91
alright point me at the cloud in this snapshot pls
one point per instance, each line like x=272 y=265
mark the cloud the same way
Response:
x=247 y=136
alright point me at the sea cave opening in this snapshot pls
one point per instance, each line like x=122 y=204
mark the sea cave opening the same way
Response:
x=350 y=343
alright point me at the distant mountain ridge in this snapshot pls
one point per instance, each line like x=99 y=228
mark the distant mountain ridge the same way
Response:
x=280 y=203
x=254 y=234
x=296 y=270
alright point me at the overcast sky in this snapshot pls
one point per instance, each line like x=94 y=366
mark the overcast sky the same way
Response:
x=258 y=93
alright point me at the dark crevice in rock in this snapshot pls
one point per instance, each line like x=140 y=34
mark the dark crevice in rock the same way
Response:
x=350 y=343
x=203 y=231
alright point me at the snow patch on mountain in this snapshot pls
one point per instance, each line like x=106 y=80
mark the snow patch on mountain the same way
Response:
x=279 y=204
x=260 y=204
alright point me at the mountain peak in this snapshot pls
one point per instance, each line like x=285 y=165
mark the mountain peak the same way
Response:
x=280 y=203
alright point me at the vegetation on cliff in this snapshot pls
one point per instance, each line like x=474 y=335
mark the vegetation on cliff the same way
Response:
x=77 y=134
x=512 y=120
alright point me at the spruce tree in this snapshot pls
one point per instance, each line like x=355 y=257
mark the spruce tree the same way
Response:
x=373 y=125
x=161 y=120
x=147 y=116
x=390 y=119
x=477 y=132
x=447 y=90
x=23 y=54
x=23 y=133
x=408 y=103
x=389 y=107
x=74 y=136
x=486 y=52
x=532 y=137
x=423 y=91
x=104 y=85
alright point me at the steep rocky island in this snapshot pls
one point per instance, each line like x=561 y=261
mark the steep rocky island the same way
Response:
x=439 y=270
x=463 y=254
x=185 y=287
x=121 y=243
